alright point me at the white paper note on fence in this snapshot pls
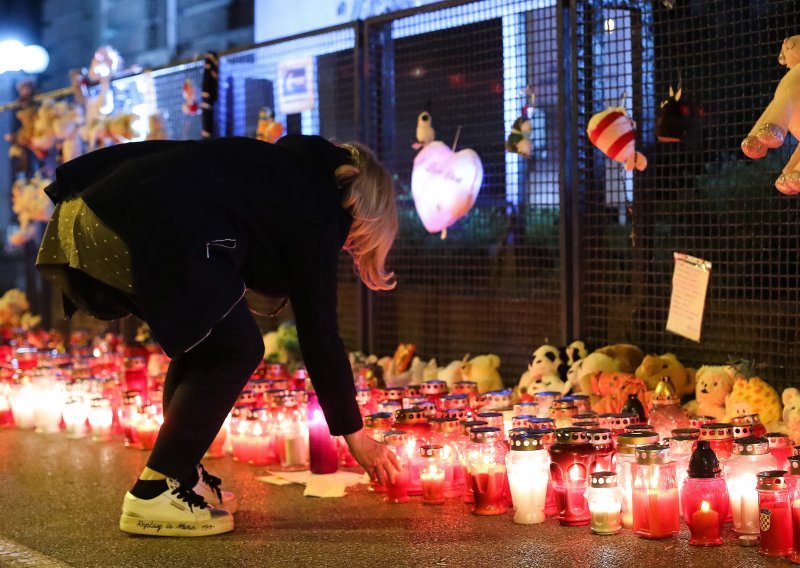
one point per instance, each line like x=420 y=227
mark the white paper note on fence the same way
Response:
x=689 y=287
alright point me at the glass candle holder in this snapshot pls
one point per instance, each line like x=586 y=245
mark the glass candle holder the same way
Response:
x=655 y=494
x=455 y=401
x=323 y=454
x=641 y=428
x=680 y=450
x=545 y=400
x=463 y=445
x=528 y=464
x=366 y=402
x=618 y=422
x=605 y=455
x=445 y=432
x=540 y=423
x=572 y=457
x=698 y=421
x=397 y=491
x=6 y=417
x=693 y=433
x=604 y=419
x=704 y=498
x=291 y=438
x=522 y=421
x=434 y=390
x=634 y=405
x=100 y=418
x=147 y=427
x=605 y=503
x=496 y=400
x=720 y=438
x=48 y=405
x=76 y=412
x=775 y=519
x=433 y=475
x=794 y=496
x=470 y=388
x=750 y=456
x=562 y=412
x=667 y=413
x=494 y=419
x=486 y=457
x=217 y=448
x=128 y=415
x=414 y=422
x=780 y=446
x=626 y=462
x=751 y=421
x=526 y=407
x=258 y=441
x=582 y=401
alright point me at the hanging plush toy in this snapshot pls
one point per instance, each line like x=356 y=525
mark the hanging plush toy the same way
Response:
x=210 y=84
x=66 y=128
x=519 y=140
x=157 y=127
x=782 y=114
x=425 y=131
x=105 y=63
x=268 y=130
x=672 y=118
x=614 y=134
x=190 y=105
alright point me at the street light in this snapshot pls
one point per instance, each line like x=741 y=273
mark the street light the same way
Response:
x=14 y=56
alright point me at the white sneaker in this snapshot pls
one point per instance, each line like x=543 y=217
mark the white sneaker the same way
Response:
x=208 y=488
x=178 y=511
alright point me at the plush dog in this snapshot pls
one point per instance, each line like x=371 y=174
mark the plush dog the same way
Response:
x=713 y=385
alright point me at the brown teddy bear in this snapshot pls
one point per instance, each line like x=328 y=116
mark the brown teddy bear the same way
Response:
x=713 y=385
x=654 y=367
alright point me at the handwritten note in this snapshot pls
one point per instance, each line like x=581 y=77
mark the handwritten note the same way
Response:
x=689 y=287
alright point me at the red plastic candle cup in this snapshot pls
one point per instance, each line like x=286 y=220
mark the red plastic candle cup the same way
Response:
x=780 y=446
x=526 y=407
x=147 y=431
x=605 y=455
x=445 y=432
x=704 y=498
x=656 y=512
x=323 y=453
x=626 y=464
x=720 y=437
x=434 y=390
x=572 y=457
x=414 y=422
x=618 y=422
x=397 y=491
x=463 y=444
x=497 y=400
x=470 y=388
x=775 y=518
x=433 y=474
x=486 y=456
x=545 y=400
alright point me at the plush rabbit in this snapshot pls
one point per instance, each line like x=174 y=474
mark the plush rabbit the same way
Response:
x=780 y=116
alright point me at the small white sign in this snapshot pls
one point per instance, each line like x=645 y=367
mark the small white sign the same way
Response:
x=689 y=287
x=296 y=85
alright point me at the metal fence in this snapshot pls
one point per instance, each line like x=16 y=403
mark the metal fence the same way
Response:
x=567 y=244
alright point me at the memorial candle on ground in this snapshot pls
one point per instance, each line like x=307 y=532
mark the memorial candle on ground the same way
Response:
x=397 y=490
x=528 y=465
x=100 y=418
x=750 y=456
x=626 y=463
x=794 y=496
x=775 y=519
x=487 y=470
x=605 y=503
x=572 y=457
x=432 y=474
x=655 y=494
x=704 y=497
x=322 y=446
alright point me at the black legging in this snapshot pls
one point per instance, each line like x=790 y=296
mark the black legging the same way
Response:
x=201 y=387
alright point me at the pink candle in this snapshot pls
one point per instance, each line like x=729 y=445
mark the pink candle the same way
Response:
x=432 y=486
x=488 y=488
x=397 y=492
x=322 y=446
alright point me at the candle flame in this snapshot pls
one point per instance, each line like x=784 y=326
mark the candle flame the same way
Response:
x=257 y=430
x=575 y=473
x=705 y=507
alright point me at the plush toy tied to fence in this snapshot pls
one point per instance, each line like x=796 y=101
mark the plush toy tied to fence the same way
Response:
x=780 y=116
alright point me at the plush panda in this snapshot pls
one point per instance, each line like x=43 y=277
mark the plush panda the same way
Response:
x=548 y=369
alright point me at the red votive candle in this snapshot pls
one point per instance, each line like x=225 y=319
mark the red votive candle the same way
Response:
x=705 y=498
x=572 y=458
x=775 y=519
x=323 y=454
x=655 y=494
x=486 y=456
x=397 y=491
x=780 y=446
x=433 y=473
x=605 y=456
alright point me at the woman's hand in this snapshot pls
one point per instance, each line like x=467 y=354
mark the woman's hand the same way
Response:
x=376 y=459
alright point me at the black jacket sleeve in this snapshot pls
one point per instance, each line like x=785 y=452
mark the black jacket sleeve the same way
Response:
x=312 y=291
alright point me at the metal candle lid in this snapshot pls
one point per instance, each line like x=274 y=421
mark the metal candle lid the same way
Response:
x=691 y=432
x=794 y=465
x=428 y=408
x=482 y=434
x=430 y=451
x=395 y=438
x=527 y=443
x=378 y=420
x=796 y=451
x=751 y=446
x=586 y=416
x=652 y=454
x=716 y=431
x=540 y=423
x=413 y=390
x=547 y=394
x=410 y=416
x=466 y=387
x=433 y=387
x=521 y=420
x=585 y=423
x=620 y=421
x=746 y=420
x=640 y=428
x=467 y=426
x=459 y=414
x=778 y=440
x=444 y=424
x=571 y=436
x=772 y=480
x=457 y=400
x=665 y=393
x=603 y=480
x=561 y=403
x=600 y=436
x=698 y=421
x=742 y=430
x=626 y=443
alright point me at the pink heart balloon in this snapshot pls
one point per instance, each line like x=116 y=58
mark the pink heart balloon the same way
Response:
x=445 y=184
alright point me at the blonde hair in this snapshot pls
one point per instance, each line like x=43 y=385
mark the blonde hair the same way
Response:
x=369 y=197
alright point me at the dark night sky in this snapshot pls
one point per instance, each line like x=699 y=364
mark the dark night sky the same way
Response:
x=20 y=19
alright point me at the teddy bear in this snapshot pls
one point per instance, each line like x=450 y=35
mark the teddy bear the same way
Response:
x=713 y=383
x=548 y=370
x=609 y=391
x=781 y=115
x=791 y=413
x=66 y=128
x=483 y=370
x=622 y=357
x=44 y=139
x=754 y=396
x=452 y=373
x=654 y=367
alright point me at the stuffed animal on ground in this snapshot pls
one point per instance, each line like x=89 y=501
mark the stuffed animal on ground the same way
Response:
x=44 y=137
x=483 y=370
x=452 y=373
x=622 y=358
x=781 y=115
x=425 y=132
x=753 y=396
x=113 y=130
x=268 y=129
x=614 y=133
x=609 y=391
x=14 y=310
x=654 y=367
x=67 y=127
x=548 y=370
x=672 y=117
x=791 y=413
x=712 y=385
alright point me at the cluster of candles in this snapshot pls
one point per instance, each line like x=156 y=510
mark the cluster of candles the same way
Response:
x=552 y=457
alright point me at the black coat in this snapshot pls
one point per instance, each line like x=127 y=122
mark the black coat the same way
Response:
x=205 y=220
